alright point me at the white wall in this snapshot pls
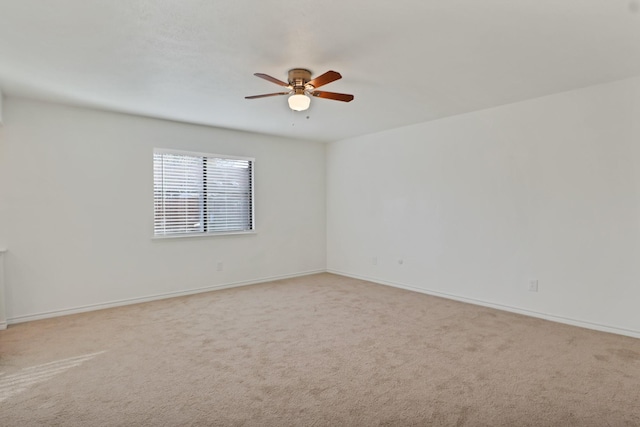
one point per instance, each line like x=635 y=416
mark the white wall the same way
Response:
x=76 y=209
x=476 y=205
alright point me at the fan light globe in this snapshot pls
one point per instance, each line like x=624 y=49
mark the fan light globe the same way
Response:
x=299 y=102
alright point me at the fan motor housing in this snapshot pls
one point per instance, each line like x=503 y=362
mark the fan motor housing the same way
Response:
x=299 y=77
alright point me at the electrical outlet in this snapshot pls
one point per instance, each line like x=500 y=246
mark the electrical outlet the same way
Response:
x=533 y=286
x=220 y=266
x=374 y=260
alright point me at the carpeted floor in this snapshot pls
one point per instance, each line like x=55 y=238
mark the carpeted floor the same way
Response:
x=320 y=350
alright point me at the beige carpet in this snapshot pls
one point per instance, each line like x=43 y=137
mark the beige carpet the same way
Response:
x=321 y=350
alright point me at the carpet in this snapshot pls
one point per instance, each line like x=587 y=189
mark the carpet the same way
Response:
x=320 y=350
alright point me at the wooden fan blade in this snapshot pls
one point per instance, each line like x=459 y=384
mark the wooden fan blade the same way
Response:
x=271 y=79
x=266 y=95
x=328 y=77
x=332 y=95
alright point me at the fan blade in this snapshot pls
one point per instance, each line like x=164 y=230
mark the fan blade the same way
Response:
x=271 y=79
x=328 y=77
x=332 y=95
x=266 y=95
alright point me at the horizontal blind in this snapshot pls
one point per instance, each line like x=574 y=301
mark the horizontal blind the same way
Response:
x=228 y=187
x=201 y=194
x=178 y=193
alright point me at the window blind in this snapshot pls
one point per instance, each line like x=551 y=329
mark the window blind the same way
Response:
x=201 y=193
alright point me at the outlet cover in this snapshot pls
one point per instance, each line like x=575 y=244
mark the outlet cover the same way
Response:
x=533 y=286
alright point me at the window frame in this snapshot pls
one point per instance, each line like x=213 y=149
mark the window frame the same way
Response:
x=157 y=150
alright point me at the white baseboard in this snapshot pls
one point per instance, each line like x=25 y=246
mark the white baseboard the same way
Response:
x=129 y=301
x=3 y=326
x=550 y=317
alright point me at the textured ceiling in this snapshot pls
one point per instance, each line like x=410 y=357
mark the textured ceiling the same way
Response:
x=406 y=61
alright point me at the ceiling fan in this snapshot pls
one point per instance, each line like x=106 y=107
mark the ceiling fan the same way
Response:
x=301 y=86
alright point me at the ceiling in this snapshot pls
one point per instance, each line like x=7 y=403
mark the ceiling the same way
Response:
x=406 y=61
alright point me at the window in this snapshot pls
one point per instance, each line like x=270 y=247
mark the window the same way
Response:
x=200 y=194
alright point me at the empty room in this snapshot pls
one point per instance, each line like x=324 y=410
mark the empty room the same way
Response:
x=345 y=213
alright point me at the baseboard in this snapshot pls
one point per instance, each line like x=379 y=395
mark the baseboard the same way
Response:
x=3 y=326
x=118 y=303
x=137 y=300
x=540 y=315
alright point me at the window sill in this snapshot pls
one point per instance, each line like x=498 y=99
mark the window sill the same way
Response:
x=192 y=235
